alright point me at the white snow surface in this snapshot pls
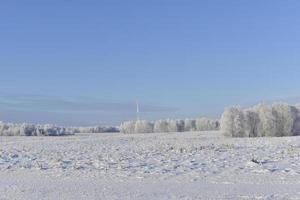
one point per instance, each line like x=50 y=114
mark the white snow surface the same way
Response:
x=191 y=165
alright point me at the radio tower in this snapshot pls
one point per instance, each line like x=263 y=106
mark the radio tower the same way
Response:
x=137 y=111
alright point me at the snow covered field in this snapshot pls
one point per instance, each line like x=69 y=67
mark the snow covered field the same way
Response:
x=194 y=165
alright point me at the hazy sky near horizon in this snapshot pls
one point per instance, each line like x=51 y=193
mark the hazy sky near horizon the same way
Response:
x=87 y=62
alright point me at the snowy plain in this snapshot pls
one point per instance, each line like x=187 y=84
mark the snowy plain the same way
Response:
x=190 y=165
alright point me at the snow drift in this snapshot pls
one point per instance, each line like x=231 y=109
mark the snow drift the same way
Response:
x=261 y=120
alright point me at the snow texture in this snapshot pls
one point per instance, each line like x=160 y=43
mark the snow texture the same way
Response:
x=193 y=165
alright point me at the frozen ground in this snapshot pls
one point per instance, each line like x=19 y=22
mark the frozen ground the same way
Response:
x=198 y=165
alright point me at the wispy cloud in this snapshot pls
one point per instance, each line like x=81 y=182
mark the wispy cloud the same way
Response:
x=73 y=110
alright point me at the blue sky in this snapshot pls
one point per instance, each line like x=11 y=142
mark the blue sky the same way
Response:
x=87 y=62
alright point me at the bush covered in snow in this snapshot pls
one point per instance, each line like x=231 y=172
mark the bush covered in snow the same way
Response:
x=142 y=126
x=262 y=120
x=190 y=125
x=171 y=125
x=251 y=123
x=127 y=127
x=168 y=125
x=206 y=124
x=95 y=129
x=180 y=125
x=10 y=129
x=232 y=122
x=161 y=126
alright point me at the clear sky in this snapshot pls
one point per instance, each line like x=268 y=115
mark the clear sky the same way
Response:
x=85 y=62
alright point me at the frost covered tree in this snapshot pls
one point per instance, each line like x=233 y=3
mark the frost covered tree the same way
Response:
x=176 y=125
x=205 y=124
x=262 y=120
x=233 y=122
x=190 y=125
x=93 y=129
x=173 y=126
x=239 y=124
x=296 y=126
x=180 y=125
x=285 y=116
x=50 y=130
x=127 y=127
x=10 y=129
x=251 y=123
x=268 y=120
x=3 y=128
x=28 y=130
x=227 y=121
x=142 y=126
x=161 y=126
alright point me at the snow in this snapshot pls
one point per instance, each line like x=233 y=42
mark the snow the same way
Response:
x=190 y=165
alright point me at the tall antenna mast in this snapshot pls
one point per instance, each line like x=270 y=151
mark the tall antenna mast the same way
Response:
x=137 y=111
